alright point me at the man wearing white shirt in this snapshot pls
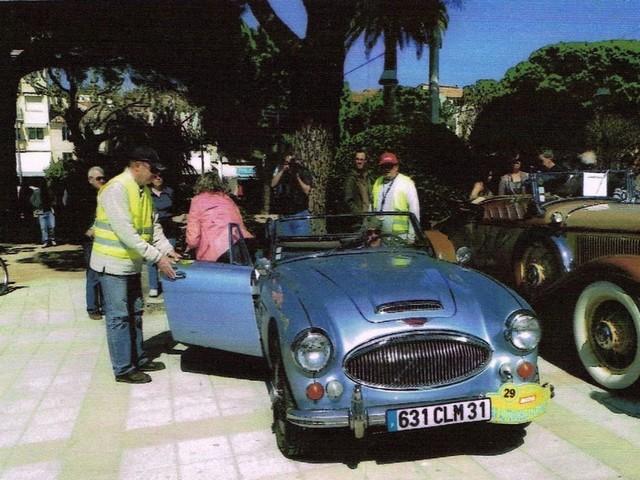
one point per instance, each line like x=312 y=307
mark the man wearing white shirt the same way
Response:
x=395 y=192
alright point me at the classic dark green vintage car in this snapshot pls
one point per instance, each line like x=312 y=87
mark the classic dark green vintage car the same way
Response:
x=574 y=239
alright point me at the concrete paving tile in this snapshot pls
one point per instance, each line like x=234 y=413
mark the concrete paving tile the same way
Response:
x=54 y=415
x=514 y=464
x=168 y=473
x=10 y=437
x=148 y=458
x=264 y=464
x=223 y=468
x=197 y=411
x=15 y=421
x=19 y=405
x=248 y=442
x=204 y=449
x=36 y=471
x=43 y=433
x=398 y=471
x=62 y=400
x=154 y=418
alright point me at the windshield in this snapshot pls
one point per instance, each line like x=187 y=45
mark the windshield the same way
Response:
x=610 y=184
x=292 y=237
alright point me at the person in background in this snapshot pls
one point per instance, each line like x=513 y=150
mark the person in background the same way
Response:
x=93 y=295
x=162 y=196
x=357 y=185
x=210 y=214
x=292 y=183
x=41 y=203
x=395 y=192
x=548 y=162
x=125 y=236
x=512 y=183
x=482 y=187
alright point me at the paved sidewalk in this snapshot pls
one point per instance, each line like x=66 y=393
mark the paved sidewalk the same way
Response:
x=62 y=415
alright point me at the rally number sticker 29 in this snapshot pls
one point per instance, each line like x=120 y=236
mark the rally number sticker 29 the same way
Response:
x=439 y=415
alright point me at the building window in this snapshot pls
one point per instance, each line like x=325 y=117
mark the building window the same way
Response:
x=34 y=103
x=66 y=156
x=65 y=133
x=18 y=134
x=36 y=133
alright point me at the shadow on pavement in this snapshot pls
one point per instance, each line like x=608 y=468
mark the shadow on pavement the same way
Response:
x=223 y=364
x=159 y=344
x=64 y=261
x=627 y=403
x=327 y=446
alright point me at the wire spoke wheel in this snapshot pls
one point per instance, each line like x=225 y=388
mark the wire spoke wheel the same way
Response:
x=606 y=327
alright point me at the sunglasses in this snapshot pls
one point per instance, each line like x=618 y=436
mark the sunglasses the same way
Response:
x=374 y=231
x=99 y=179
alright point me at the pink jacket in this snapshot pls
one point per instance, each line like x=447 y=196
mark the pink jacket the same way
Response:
x=208 y=224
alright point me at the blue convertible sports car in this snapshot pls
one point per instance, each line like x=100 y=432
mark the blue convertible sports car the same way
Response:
x=364 y=328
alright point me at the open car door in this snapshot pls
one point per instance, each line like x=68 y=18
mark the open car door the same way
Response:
x=211 y=305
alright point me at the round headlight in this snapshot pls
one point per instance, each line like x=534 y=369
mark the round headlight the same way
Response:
x=523 y=331
x=312 y=351
x=463 y=255
x=556 y=217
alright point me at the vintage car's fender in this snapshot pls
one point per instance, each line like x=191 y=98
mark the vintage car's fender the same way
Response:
x=443 y=247
x=554 y=243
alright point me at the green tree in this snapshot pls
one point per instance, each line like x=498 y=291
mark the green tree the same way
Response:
x=419 y=22
x=549 y=100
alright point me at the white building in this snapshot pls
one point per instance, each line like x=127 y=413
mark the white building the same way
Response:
x=33 y=136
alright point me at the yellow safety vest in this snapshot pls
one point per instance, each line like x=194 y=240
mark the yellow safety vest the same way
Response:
x=106 y=242
x=400 y=223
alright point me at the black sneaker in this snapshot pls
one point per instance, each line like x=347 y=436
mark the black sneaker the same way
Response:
x=133 y=376
x=151 y=367
x=95 y=315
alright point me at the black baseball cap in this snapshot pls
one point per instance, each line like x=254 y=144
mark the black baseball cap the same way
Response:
x=149 y=155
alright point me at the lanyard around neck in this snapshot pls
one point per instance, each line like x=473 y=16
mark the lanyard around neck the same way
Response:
x=385 y=193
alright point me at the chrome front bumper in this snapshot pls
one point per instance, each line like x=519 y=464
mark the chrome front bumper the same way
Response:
x=358 y=418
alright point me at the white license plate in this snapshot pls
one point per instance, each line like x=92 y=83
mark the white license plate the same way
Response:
x=439 y=415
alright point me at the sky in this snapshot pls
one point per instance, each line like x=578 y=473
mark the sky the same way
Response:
x=487 y=37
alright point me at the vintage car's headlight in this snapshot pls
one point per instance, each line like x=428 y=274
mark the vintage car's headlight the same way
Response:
x=523 y=331
x=312 y=351
x=463 y=255
x=556 y=217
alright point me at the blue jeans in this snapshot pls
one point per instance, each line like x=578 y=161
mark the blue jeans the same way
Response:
x=93 y=293
x=152 y=269
x=295 y=227
x=123 y=306
x=47 y=223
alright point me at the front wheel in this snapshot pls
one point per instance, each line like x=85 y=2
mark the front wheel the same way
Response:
x=289 y=437
x=4 y=278
x=606 y=326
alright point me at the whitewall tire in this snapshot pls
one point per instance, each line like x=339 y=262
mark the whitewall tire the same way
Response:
x=606 y=328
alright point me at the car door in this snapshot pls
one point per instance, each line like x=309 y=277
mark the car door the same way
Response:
x=210 y=304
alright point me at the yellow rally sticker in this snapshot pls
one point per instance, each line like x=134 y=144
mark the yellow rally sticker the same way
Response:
x=514 y=404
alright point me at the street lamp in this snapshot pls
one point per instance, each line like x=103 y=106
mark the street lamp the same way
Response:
x=599 y=100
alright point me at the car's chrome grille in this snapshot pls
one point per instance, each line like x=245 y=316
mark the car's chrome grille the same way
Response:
x=418 y=360
x=409 y=306
x=589 y=247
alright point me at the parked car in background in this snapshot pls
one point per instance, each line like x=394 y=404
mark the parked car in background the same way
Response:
x=574 y=239
x=365 y=329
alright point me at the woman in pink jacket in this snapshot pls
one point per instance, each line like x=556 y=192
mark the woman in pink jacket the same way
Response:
x=210 y=214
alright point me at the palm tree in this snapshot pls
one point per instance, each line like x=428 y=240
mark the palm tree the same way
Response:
x=400 y=23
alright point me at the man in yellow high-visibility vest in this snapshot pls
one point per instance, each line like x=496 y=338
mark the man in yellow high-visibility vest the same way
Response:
x=395 y=192
x=126 y=235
